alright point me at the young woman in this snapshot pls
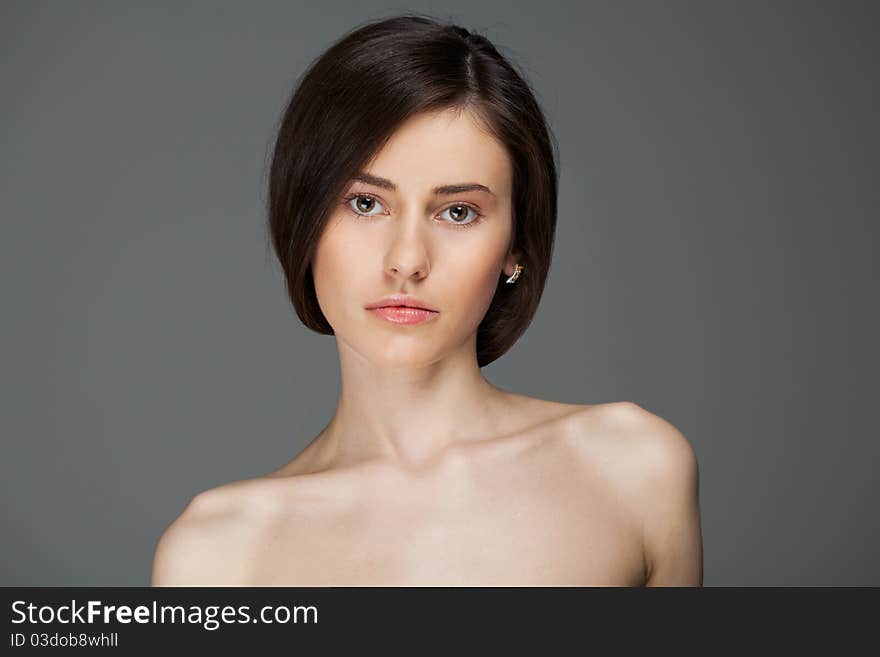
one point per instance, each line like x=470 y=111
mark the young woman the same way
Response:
x=412 y=206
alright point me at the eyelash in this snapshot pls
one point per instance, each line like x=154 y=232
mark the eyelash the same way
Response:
x=477 y=219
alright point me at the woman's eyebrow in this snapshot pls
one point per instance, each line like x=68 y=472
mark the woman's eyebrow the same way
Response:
x=378 y=181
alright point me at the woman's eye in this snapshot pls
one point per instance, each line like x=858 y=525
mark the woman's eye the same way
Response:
x=363 y=204
x=458 y=214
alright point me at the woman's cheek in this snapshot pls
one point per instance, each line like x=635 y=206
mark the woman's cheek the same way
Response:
x=331 y=269
x=475 y=290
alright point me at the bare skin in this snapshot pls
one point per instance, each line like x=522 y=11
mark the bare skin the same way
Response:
x=558 y=503
x=427 y=473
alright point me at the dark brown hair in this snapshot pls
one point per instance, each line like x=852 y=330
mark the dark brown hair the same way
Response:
x=350 y=101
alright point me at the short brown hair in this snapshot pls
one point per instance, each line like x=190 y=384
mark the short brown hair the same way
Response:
x=349 y=102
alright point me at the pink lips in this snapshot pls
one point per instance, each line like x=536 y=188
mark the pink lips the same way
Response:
x=404 y=314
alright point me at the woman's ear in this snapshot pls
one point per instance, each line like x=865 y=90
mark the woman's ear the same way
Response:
x=513 y=258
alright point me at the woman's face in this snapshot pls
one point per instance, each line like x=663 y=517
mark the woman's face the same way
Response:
x=448 y=249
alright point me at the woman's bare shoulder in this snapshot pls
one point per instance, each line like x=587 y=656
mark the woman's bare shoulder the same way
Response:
x=653 y=467
x=210 y=534
x=655 y=438
x=634 y=441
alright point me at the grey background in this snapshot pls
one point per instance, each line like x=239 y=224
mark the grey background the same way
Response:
x=714 y=263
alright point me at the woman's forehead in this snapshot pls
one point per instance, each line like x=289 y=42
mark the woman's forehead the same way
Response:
x=440 y=150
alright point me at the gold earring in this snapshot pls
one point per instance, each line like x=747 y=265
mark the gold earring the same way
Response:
x=515 y=274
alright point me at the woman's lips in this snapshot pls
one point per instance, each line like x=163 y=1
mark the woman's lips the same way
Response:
x=404 y=314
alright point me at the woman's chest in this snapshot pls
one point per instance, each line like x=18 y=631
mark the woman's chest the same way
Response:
x=484 y=536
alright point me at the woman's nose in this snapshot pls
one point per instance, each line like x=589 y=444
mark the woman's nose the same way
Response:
x=408 y=252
